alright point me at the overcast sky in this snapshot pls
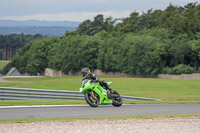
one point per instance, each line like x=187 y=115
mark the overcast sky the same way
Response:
x=78 y=10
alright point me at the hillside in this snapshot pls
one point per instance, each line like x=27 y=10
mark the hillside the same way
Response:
x=32 y=30
x=13 y=23
x=45 y=28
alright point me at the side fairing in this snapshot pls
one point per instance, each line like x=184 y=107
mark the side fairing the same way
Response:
x=109 y=83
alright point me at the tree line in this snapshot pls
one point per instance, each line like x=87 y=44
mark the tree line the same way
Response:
x=156 y=41
x=10 y=44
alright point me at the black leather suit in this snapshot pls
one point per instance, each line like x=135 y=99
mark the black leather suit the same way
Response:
x=94 y=78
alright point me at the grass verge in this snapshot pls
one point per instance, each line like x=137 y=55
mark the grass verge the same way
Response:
x=96 y=118
x=169 y=91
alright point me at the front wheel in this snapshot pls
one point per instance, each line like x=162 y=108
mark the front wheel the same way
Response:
x=92 y=98
x=117 y=99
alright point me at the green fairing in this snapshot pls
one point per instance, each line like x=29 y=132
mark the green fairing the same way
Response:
x=96 y=87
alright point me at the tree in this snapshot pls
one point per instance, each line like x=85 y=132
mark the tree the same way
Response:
x=93 y=27
x=85 y=28
x=143 y=55
x=33 y=57
x=10 y=44
x=195 y=46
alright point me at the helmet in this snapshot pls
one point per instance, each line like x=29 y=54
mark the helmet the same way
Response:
x=85 y=72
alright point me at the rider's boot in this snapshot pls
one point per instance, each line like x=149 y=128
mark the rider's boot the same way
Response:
x=111 y=92
x=110 y=89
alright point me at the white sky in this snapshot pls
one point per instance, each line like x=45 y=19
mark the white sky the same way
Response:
x=78 y=10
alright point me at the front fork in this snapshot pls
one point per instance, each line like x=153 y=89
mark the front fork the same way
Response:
x=93 y=97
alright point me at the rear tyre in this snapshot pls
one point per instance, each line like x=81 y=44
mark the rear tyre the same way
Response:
x=92 y=98
x=117 y=100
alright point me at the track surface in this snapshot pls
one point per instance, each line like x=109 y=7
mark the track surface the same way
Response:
x=87 y=111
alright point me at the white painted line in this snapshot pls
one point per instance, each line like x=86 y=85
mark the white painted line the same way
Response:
x=46 y=106
x=40 y=106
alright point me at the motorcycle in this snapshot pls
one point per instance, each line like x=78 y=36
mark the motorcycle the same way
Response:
x=95 y=94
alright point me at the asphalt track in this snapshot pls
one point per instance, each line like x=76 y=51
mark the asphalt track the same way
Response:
x=74 y=111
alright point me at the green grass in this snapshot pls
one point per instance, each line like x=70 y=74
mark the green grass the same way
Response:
x=169 y=91
x=3 y=63
x=96 y=118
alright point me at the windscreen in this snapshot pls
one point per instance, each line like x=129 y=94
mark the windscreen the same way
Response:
x=84 y=81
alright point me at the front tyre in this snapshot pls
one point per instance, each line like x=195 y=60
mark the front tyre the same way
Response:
x=117 y=99
x=92 y=98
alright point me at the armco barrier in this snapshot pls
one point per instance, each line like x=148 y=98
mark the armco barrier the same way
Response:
x=9 y=93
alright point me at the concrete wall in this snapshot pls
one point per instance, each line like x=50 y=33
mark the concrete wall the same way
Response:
x=182 y=76
x=110 y=74
x=99 y=73
x=53 y=73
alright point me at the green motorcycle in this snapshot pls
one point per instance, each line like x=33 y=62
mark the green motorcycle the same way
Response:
x=95 y=94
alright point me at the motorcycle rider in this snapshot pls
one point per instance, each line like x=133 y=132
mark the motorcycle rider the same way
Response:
x=87 y=75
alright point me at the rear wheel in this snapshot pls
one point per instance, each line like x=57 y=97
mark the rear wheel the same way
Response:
x=117 y=99
x=92 y=98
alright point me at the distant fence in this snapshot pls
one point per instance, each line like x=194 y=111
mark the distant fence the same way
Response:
x=8 y=93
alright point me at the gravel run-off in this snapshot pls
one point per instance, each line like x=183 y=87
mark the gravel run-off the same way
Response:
x=162 y=125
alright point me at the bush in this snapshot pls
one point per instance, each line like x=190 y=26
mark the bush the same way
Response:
x=179 y=69
x=198 y=71
x=7 y=68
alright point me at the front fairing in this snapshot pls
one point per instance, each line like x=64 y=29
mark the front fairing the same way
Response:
x=96 y=87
